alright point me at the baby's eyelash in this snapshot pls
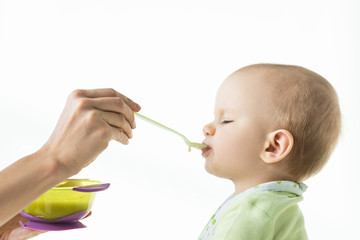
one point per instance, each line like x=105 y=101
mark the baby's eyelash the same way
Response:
x=227 y=121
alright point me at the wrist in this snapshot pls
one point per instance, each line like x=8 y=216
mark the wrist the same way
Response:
x=26 y=179
x=53 y=165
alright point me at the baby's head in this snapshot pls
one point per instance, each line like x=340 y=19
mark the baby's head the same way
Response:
x=274 y=122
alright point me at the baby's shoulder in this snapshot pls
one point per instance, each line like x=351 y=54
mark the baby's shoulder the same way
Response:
x=262 y=215
x=267 y=203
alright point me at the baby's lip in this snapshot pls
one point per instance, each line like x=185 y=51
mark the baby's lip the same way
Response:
x=208 y=146
x=206 y=151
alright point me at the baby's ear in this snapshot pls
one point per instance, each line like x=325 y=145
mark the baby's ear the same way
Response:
x=277 y=146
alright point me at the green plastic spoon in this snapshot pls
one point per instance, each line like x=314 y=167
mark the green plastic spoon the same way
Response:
x=190 y=144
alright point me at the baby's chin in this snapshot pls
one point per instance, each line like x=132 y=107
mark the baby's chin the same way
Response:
x=212 y=169
x=208 y=166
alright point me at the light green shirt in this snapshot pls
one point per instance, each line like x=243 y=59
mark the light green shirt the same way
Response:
x=266 y=211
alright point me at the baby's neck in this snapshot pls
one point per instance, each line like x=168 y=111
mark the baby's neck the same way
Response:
x=243 y=185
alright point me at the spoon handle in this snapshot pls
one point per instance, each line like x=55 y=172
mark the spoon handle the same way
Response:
x=161 y=126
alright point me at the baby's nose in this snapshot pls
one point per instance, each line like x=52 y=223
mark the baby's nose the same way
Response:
x=209 y=130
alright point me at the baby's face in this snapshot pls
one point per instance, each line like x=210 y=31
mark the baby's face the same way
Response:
x=238 y=132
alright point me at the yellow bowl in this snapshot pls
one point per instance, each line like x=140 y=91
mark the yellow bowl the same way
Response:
x=62 y=201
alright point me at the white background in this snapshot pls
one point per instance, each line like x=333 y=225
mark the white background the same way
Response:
x=170 y=57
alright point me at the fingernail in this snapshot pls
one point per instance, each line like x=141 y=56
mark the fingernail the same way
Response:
x=137 y=106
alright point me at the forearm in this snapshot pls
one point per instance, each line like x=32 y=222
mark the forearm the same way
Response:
x=25 y=180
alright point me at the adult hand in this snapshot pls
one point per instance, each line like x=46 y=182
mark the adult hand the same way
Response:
x=91 y=119
x=12 y=230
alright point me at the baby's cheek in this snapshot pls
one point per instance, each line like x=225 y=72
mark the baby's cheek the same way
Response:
x=232 y=145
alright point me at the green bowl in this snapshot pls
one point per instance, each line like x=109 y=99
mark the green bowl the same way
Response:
x=62 y=201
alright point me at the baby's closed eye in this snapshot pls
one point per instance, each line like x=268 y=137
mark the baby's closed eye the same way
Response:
x=226 y=121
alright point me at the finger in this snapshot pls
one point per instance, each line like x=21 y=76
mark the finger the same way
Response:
x=107 y=92
x=114 y=104
x=88 y=215
x=23 y=233
x=117 y=120
x=96 y=93
x=118 y=134
x=133 y=105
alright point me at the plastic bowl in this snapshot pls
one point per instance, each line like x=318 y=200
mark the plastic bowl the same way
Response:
x=65 y=199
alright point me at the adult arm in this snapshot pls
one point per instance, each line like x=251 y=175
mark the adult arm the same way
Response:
x=90 y=119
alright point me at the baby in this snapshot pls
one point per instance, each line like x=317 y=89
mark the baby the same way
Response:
x=274 y=127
